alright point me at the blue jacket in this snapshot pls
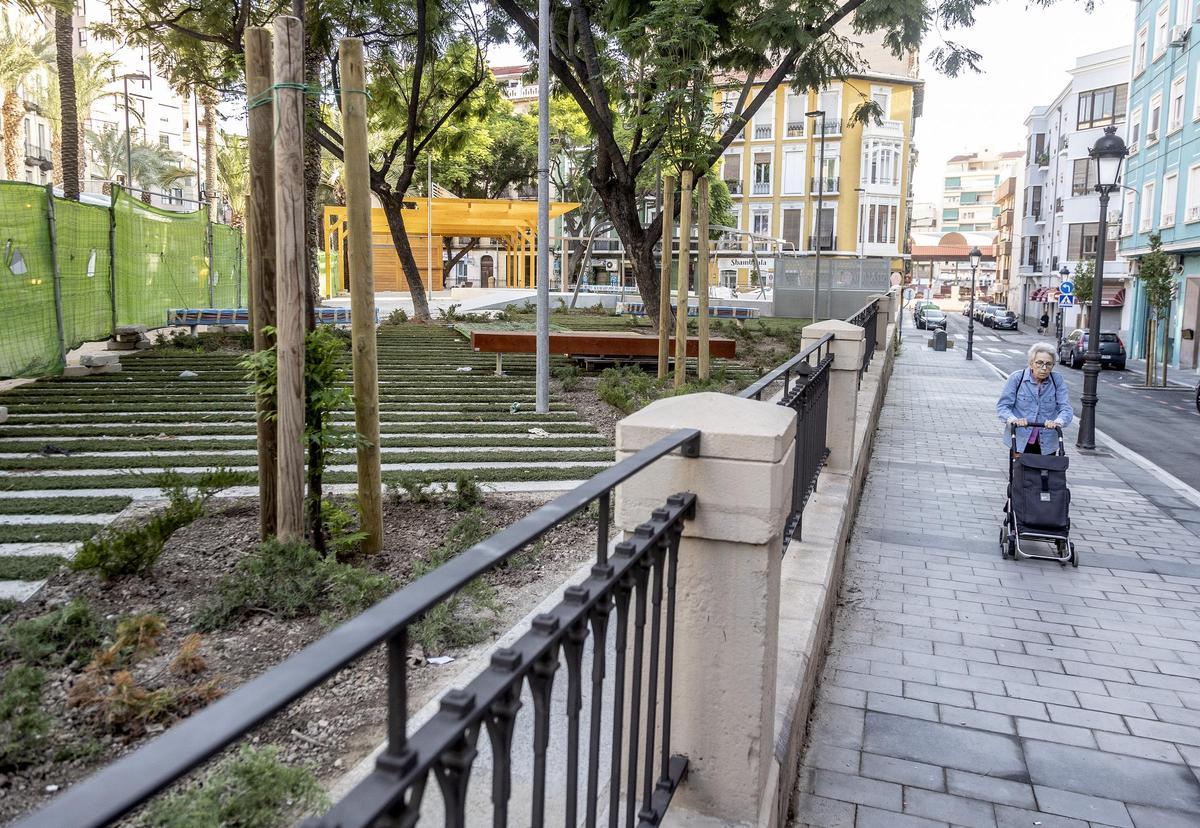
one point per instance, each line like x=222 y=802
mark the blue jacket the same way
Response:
x=1020 y=399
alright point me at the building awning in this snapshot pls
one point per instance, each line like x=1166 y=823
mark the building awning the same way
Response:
x=1113 y=296
x=1043 y=294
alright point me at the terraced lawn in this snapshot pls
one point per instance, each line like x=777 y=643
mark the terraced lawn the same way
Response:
x=75 y=452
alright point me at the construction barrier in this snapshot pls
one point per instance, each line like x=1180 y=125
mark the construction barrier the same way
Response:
x=70 y=271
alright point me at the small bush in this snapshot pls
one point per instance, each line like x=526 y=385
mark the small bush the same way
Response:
x=460 y=620
x=291 y=580
x=188 y=661
x=7 y=605
x=466 y=493
x=627 y=388
x=342 y=533
x=134 y=550
x=568 y=375
x=252 y=789
x=413 y=485
x=24 y=725
x=66 y=635
x=396 y=317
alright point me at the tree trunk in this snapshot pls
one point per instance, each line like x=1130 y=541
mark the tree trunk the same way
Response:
x=208 y=100
x=392 y=208
x=67 y=165
x=453 y=258
x=639 y=248
x=14 y=112
x=312 y=170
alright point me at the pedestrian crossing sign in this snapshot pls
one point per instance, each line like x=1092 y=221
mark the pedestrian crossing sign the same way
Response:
x=1066 y=300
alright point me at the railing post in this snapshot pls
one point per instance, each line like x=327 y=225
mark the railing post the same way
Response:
x=847 y=349
x=727 y=612
x=883 y=315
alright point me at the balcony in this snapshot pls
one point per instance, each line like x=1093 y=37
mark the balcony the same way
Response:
x=828 y=241
x=762 y=188
x=1193 y=213
x=1168 y=220
x=37 y=156
x=795 y=129
x=828 y=126
x=886 y=127
x=734 y=187
x=763 y=131
x=827 y=185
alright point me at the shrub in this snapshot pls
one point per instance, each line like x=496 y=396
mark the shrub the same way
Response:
x=466 y=493
x=7 y=605
x=627 y=388
x=412 y=484
x=396 y=317
x=23 y=722
x=251 y=789
x=66 y=635
x=568 y=375
x=461 y=619
x=291 y=580
x=342 y=533
x=134 y=550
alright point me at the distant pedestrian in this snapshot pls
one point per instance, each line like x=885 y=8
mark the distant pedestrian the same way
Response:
x=1036 y=400
x=1044 y=322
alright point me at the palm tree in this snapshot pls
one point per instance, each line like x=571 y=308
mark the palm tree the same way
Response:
x=108 y=146
x=93 y=74
x=209 y=101
x=67 y=136
x=153 y=165
x=233 y=174
x=22 y=49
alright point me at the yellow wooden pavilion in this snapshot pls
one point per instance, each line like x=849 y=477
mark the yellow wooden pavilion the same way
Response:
x=510 y=223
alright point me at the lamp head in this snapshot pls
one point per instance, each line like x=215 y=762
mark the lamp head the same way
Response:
x=816 y=113
x=1064 y=272
x=975 y=256
x=1108 y=154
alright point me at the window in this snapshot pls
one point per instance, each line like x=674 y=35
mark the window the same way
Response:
x=823 y=228
x=83 y=38
x=1139 y=55
x=1127 y=214
x=953 y=183
x=1146 y=210
x=176 y=196
x=1192 y=195
x=1082 y=240
x=1155 y=116
x=1135 y=129
x=1162 y=21
x=882 y=95
x=878 y=221
x=969 y=198
x=793 y=226
x=830 y=102
x=793 y=172
x=760 y=222
x=762 y=173
x=1101 y=107
x=733 y=172
x=1175 y=107
x=881 y=163
x=1181 y=12
x=1196 y=96
x=795 y=115
x=1083 y=177
x=164 y=140
x=764 y=120
x=1030 y=259
x=1033 y=202
x=1170 y=189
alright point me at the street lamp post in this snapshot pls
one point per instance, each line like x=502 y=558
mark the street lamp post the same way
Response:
x=976 y=257
x=1108 y=154
x=818 y=113
x=1063 y=275
x=138 y=76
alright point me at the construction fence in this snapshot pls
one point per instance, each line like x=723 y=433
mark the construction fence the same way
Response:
x=70 y=272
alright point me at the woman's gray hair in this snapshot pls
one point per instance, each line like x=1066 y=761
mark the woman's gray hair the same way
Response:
x=1041 y=348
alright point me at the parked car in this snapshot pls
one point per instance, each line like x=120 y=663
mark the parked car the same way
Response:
x=981 y=309
x=1073 y=349
x=932 y=319
x=989 y=315
x=919 y=311
x=1005 y=320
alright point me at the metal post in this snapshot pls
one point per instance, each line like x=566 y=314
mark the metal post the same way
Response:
x=820 y=204
x=208 y=241
x=128 y=143
x=57 y=273
x=429 y=218
x=971 y=318
x=1091 y=360
x=542 y=394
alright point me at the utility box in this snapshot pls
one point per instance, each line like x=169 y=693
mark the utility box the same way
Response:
x=939 y=340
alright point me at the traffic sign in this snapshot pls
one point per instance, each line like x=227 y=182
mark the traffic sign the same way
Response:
x=1067 y=300
x=1066 y=287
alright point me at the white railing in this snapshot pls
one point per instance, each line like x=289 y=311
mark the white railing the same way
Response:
x=762 y=187
x=1193 y=213
x=886 y=127
x=1168 y=220
x=762 y=131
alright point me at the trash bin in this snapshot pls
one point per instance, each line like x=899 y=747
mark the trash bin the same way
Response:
x=939 y=340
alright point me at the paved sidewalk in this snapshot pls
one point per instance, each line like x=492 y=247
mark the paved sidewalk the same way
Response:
x=962 y=689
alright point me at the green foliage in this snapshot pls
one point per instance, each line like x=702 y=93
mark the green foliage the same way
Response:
x=291 y=580
x=396 y=317
x=412 y=484
x=66 y=635
x=24 y=725
x=342 y=535
x=134 y=550
x=251 y=789
x=1154 y=272
x=29 y=567
x=464 y=618
x=1085 y=274
x=626 y=388
x=568 y=375
x=466 y=493
x=7 y=605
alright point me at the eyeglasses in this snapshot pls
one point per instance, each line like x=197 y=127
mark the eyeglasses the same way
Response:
x=1041 y=363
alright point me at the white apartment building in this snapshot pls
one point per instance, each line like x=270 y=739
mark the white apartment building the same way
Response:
x=1059 y=208
x=968 y=188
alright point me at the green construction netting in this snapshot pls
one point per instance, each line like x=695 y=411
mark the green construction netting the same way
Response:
x=161 y=261
x=228 y=274
x=29 y=343
x=85 y=271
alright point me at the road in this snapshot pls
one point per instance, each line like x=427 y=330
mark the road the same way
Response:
x=1161 y=425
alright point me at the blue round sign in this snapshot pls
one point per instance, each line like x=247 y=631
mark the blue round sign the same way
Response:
x=1066 y=287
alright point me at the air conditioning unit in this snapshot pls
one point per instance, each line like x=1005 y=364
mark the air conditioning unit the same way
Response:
x=1179 y=35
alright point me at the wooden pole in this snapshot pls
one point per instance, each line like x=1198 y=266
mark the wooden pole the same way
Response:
x=260 y=254
x=664 y=276
x=702 y=277
x=362 y=291
x=681 y=287
x=290 y=282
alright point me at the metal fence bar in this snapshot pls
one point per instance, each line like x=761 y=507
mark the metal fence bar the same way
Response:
x=865 y=319
x=402 y=771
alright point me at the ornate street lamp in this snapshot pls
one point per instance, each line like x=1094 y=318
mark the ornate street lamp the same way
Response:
x=975 y=257
x=1063 y=276
x=1108 y=154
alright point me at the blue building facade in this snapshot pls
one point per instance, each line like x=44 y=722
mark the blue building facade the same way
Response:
x=1162 y=172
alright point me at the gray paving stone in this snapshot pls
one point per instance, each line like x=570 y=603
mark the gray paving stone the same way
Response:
x=978 y=719
x=814 y=811
x=1009 y=817
x=858 y=789
x=1061 y=734
x=1165 y=731
x=1137 y=746
x=1011 y=707
x=1146 y=817
x=837 y=725
x=955 y=747
x=1092 y=808
x=874 y=818
x=902 y=707
x=940 y=695
x=903 y=771
x=1080 y=717
x=990 y=789
x=1124 y=778
x=832 y=757
x=953 y=809
x=1119 y=707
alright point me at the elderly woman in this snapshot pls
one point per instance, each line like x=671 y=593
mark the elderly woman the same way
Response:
x=1035 y=399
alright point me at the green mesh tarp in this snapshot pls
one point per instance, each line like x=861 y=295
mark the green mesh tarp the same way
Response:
x=228 y=278
x=29 y=345
x=161 y=261
x=85 y=271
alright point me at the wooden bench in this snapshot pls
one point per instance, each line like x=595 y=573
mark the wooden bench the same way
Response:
x=591 y=346
x=193 y=317
x=714 y=311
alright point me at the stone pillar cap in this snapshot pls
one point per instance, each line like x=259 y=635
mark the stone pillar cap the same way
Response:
x=839 y=329
x=730 y=427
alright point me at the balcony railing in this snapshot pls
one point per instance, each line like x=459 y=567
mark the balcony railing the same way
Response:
x=762 y=131
x=828 y=185
x=1168 y=220
x=762 y=187
x=829 y=126
x=1193 y=213
x=828 y=241
x=795 y=129
x=734 y=187
x=38 y=156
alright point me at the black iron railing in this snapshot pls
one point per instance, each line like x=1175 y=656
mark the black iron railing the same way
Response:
x=805 y=390
x=865 y=319
x=636 y=583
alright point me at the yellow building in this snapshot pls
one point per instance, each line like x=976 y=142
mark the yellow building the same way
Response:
x=774 y=170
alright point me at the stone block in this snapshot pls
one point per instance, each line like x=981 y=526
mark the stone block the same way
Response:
x=733 y=428
x=114 y=368
x=144 y=344
x=118 y=345
x=76 y=371
x=130 y=329
x=949 y=342
x=96 y=360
